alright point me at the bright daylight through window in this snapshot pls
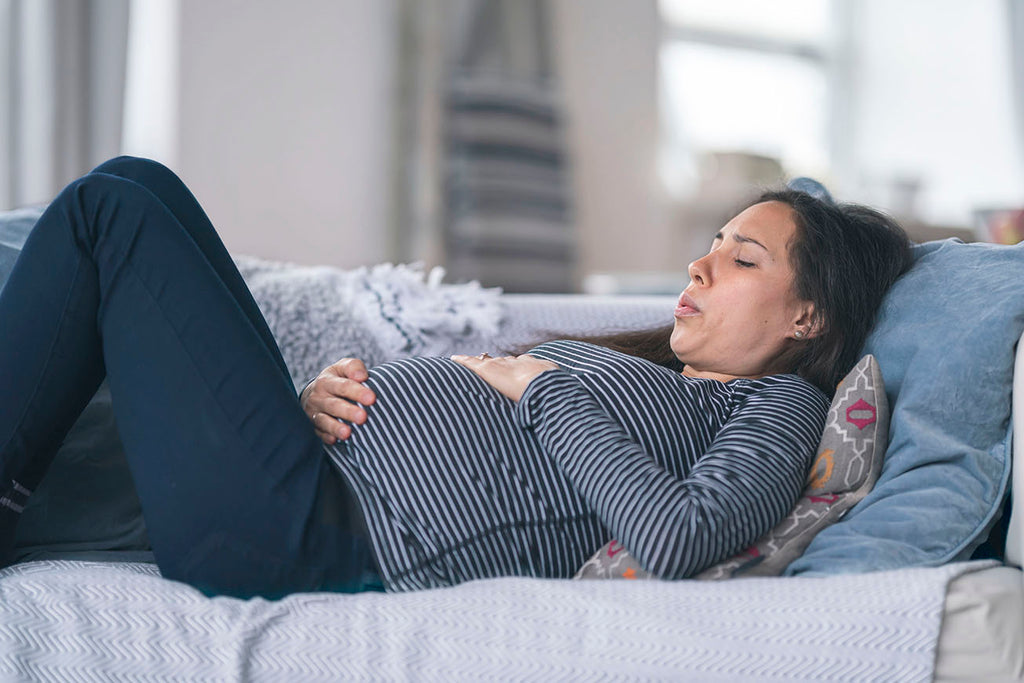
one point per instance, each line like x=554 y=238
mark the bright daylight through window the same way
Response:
x=745 y=76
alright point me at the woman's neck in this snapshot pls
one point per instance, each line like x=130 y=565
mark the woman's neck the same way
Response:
x=689 y=371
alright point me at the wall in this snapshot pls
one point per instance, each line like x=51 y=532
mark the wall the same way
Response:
x=607 y=52
x=286 y=126
x=285 y=123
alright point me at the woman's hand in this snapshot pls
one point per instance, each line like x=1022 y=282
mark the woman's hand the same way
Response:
x=509 y=374
x=334 y=394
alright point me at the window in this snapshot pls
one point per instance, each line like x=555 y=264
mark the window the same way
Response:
x=750 y=76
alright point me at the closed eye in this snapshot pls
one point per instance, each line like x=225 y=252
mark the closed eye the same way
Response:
x=744 y=264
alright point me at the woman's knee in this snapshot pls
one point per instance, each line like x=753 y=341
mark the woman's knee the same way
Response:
x=139 y=169
x=100 y=204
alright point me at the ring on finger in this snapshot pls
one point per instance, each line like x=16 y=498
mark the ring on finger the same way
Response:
x=313 y=419
x=484 y=356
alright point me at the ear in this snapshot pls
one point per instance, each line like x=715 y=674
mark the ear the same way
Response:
x=807 y=321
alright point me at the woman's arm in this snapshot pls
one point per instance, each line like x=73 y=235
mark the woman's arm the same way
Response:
x=739 y=489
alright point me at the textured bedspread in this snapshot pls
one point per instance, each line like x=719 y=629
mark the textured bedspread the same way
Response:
x=69 y=621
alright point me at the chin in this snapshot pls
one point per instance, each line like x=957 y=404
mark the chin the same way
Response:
x=675 y=350
x=678 y=336
x=672 y=340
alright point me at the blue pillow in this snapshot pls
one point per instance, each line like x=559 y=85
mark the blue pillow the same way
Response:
x=86 y=506
x=945 y=342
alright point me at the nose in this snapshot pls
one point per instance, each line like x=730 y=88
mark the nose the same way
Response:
x=700 y=271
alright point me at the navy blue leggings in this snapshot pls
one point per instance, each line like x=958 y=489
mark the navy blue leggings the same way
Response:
x=124 y=277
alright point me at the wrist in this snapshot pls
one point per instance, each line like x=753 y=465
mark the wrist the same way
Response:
x=305 y=390
x=526 y=407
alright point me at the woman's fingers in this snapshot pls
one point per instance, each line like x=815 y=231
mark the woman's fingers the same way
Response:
x=510 y=375
x=352 y=368
x=481 y=359
x=338 y=394
x=330 y=430
x=341 y=408
x=336 y=400
x=349 y=389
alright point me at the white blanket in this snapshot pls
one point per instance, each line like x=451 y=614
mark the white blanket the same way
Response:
x=62 y=621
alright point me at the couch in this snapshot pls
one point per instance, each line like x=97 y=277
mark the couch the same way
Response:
x=919 y=580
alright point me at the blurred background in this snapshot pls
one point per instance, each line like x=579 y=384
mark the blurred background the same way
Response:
x=539 y=145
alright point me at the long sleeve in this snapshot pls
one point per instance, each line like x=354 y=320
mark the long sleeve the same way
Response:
x=675 y=525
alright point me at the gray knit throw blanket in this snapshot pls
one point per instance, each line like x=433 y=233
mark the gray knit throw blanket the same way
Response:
x=319 y=314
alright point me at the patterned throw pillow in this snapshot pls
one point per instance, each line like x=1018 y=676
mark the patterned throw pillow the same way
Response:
x=847 y=465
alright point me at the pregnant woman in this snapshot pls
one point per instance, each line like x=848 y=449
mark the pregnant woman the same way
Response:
x=429 y=471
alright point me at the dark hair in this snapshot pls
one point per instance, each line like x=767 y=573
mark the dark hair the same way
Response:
x=845 y=257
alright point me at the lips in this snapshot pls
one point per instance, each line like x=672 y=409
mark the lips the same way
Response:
x=686 y=307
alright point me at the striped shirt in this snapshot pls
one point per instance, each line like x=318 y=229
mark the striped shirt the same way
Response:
x=457 y=482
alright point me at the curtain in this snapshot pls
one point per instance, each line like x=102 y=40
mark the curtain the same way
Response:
x=483 y=170
x=62 y=69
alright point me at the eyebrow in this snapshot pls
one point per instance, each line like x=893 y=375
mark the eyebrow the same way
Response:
x=742 y=239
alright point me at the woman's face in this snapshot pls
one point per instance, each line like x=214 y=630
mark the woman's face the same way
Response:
x=740 y=310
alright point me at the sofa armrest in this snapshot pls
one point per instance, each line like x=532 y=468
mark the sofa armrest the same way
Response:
x=1015 y=531
x=533 y=318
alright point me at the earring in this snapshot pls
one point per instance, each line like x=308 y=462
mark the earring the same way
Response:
x=799 y=334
